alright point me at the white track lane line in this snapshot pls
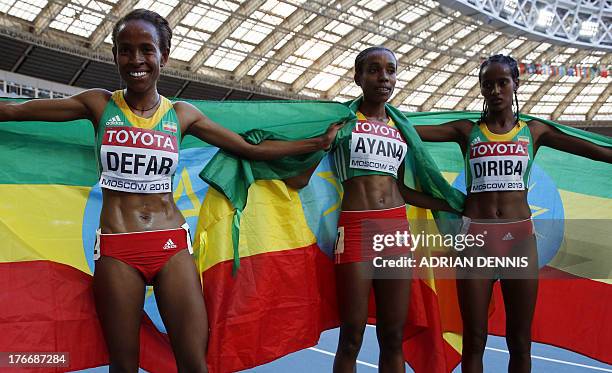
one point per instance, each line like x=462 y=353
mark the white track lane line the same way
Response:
x=490 y=349
x=555 y=360
x=332 y=354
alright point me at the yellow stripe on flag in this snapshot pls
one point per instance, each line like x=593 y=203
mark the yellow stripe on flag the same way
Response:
x=584 y=206
x=273 y=220
x=43 y=222
x=585 y=249
x=454 y=340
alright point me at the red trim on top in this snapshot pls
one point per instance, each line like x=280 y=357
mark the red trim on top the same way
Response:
x=134 y=137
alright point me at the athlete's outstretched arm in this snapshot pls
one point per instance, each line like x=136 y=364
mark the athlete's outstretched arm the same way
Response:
x=79 y=106
x=420 y=199
x=194 y=122
x=553 y=138
x=455 y=131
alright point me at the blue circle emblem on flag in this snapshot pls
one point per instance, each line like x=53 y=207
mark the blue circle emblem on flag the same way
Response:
x=321 y=201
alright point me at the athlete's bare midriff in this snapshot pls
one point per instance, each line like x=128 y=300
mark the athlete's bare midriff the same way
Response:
x=133 y=212
x=497 y=205
x=371 y=192
x=124 y=212
x=504 y=205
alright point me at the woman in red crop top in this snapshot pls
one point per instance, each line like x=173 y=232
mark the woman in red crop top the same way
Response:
x=373 y=203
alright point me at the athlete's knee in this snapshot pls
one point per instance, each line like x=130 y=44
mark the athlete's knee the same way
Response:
x=123 y=365
x=191 y=358
x=351 y=337
x=123 y=357
x=519 y=343
x=390 y=337
x=193 y=366
x=474 y=341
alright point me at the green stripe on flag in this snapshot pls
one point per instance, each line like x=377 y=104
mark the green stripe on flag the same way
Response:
x=47 y=153
x=63 y=153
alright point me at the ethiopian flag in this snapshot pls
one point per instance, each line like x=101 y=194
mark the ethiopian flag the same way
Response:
x=283 y=294
x=49 y=210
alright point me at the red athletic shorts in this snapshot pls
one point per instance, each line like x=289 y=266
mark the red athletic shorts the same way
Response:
x=499 y=238
x=147 y=251
x=361 y=235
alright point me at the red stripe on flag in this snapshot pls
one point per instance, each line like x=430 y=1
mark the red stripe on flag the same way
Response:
x=49 y=307
x=280 y=302
x=570 y=313
x=425 y=349
x=277 y=303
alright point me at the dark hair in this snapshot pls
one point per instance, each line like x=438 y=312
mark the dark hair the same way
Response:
x=514 y=70
x=161 y=25
x=361 y=57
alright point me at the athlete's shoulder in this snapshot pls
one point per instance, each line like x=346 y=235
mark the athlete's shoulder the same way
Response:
x=182 y=105
x=95 y=94
x=462 y=123
x=535 y=122
x=188 y=114
x=184 y=108
x=95 y=100
x=537 y=127
x=464 y=126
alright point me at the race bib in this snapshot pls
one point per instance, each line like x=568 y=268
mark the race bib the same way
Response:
x=138 y=160
x=377 y=147
x=498 y=166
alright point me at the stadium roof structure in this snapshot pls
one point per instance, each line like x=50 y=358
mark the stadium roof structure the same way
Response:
x=298 y=49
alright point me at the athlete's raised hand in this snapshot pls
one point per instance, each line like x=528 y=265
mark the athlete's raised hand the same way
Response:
x=330 y=135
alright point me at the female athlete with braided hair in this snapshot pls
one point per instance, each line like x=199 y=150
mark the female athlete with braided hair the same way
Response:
x=496 y=203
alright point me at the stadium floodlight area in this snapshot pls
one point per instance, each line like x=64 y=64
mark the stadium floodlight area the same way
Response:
x=583 y=23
